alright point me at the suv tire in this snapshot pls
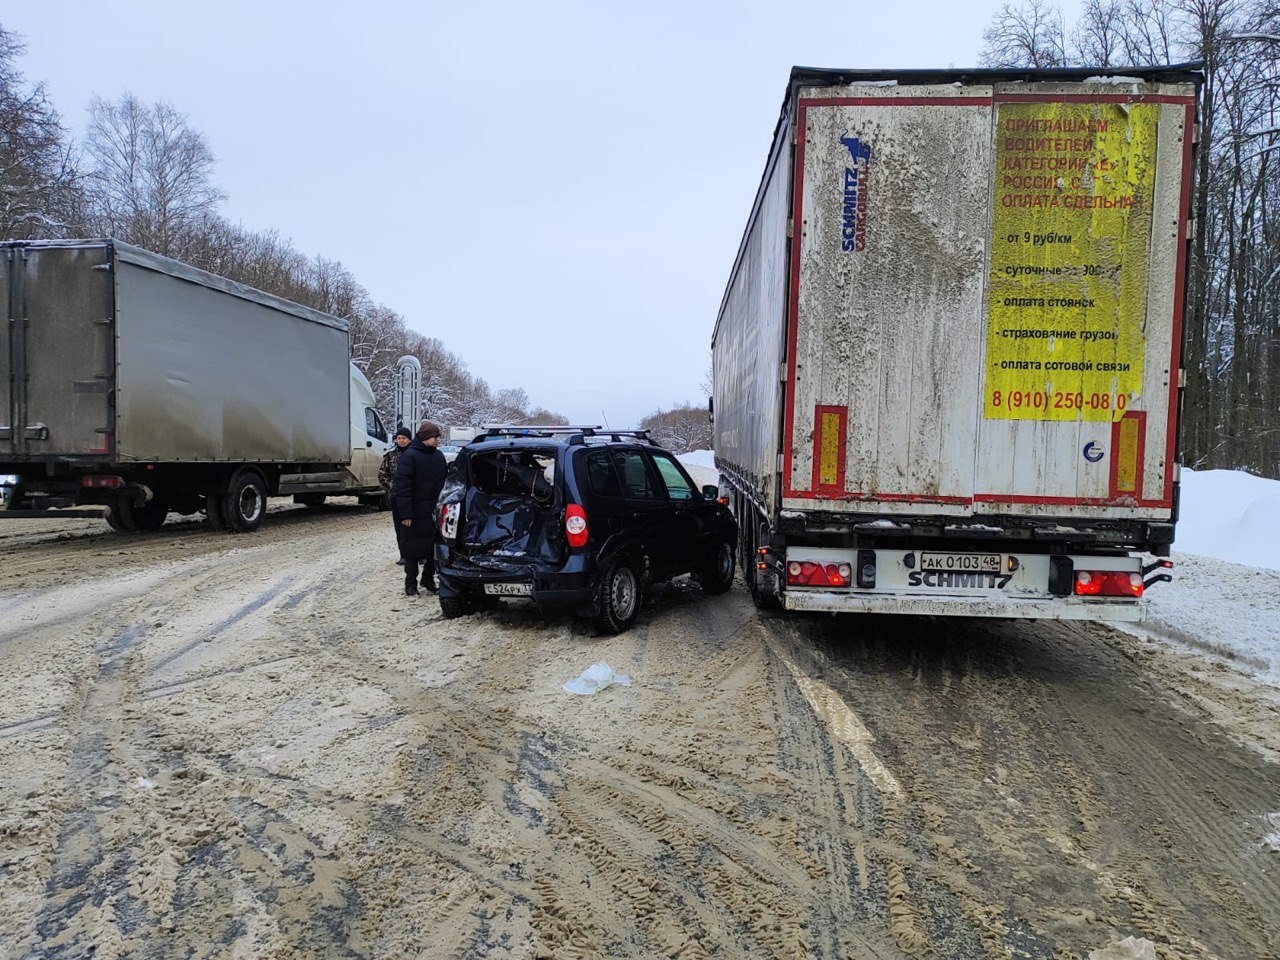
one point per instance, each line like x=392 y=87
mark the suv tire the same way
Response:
x=717 y=576
x=620 y=594
x=454 y=607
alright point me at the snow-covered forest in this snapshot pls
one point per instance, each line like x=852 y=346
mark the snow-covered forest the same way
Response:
x=143 y=174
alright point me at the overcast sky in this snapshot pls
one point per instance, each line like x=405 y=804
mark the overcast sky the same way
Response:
x=556 y=191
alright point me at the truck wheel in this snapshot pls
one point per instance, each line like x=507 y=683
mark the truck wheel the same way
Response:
x=620 y=596
x=717 y=576
x=761 y=583
x=214 y=518
x=119 y=516
x=312 y=501
x=245 y=502
x=151 y=515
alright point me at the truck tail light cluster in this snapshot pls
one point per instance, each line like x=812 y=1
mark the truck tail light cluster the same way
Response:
x=575 y=525
x=806 y=573
x=101 y=481
x=1108 y=583
x=449 y=520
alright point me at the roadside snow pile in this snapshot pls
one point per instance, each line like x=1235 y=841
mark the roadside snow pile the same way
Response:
x=1231 y=516
x=701 y=465
x=699 y=458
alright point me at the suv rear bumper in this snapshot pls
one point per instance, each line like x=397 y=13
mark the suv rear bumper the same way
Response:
x=571 y=585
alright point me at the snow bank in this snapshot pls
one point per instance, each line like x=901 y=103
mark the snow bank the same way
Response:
x=1230 y=516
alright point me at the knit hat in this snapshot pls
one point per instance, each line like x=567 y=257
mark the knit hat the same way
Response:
x=427 y=430
x=404 y=432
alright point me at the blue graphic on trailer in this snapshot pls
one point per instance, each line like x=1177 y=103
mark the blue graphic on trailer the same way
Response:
x=853 y=231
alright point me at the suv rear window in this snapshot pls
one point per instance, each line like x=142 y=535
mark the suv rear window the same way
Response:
x=601 y=475
x=525 y=473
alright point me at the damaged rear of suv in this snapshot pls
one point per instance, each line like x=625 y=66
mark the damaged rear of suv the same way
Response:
x=576 y=517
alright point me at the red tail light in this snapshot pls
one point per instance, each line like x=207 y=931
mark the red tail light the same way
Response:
x=1108 y=583
x=101 y=481
x=806 y=573
x=449 y=520
x=575 y=525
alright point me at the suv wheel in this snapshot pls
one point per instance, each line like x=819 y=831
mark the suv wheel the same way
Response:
x=620 y=596
x=717 y=577
x=454 y=607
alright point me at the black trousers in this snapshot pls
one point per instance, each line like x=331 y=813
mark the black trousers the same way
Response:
x=395 y=522
x=418 y=551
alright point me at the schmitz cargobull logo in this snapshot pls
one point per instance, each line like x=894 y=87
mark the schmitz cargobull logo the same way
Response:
x=853 y=231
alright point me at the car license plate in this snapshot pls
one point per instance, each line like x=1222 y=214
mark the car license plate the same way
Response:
x=972 y=562
x=509 y=589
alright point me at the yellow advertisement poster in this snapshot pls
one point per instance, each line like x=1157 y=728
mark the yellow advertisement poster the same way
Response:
x=1070 y=235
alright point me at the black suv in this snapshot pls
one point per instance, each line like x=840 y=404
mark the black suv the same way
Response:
x=577 y=517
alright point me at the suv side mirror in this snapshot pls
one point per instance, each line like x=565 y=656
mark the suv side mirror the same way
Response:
x=710 y=492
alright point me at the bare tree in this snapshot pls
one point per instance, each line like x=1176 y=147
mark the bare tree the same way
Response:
x=1232 y=352
x=1029 y=34
x=151 y=175
x=39 y=194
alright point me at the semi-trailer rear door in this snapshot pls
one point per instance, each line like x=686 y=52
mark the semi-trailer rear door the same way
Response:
x=986 y=295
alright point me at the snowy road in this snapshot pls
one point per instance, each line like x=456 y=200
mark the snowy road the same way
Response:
x=255 y=747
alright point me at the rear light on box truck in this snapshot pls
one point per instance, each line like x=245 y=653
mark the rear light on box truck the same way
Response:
x=99 y=481
x=575 y=525
x=1108 y=583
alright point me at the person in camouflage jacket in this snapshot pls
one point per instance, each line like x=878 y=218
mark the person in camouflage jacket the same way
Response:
x=387 y=476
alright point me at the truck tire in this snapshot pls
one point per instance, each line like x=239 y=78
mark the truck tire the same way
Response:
x=151 y=515
x=621 y=593
x=119 y=517
x=214 y=518
x=124 y=517
x=245 y=503
x=761 y=583
x=717 y=576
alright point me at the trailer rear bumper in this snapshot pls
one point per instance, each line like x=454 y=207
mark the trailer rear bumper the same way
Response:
x=1048 y=608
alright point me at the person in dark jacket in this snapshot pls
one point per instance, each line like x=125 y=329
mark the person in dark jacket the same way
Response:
x=419 y=479
x=387 y=476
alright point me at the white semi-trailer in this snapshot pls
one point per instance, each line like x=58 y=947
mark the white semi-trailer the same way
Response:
x=947 y=366
x=136 y=383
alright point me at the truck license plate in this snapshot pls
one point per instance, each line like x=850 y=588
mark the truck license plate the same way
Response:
x=975 y=562
x=509 y=589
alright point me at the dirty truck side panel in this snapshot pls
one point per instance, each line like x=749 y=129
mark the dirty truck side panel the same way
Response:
x=207 y=376
x=749 y=341
x=985 y=297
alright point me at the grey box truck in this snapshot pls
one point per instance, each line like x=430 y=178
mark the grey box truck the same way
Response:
x=136 y=383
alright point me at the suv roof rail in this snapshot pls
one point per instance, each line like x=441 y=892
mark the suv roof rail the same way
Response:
x=492 y=430
x=614 y=435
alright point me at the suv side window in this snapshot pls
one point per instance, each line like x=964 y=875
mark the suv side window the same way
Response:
x=678 y=485
x=637 y=480
x=601 y=475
